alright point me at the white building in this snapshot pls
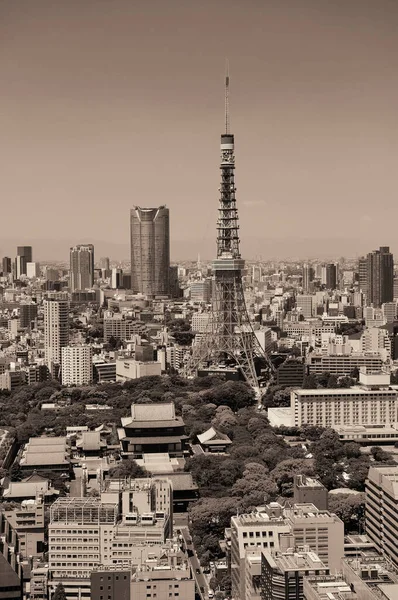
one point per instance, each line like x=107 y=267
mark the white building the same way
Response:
x=129 y=368
x=304 y=304
x=371 y=403
x=56 y=327
x=77 y=366
x=382 y=508
x=200 y=322
x=32 y=270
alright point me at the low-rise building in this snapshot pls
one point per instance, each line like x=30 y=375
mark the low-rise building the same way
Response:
x=28 y=522
x=129 y=368
x=345 y=406
x=152 y=428
x=46 y=454
x=309 y=490
x=282 y=573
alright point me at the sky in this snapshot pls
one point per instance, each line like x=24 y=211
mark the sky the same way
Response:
x=107 y=104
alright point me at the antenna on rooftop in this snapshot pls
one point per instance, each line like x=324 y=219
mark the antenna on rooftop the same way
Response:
x=226 y=96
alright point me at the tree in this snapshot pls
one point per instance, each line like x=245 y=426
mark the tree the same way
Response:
x=285 y=471
x=328 y=445
x=127 y=468
x=281 y=398
x=351 y=510
x=379 y=454
x=332 y=382
x=59 y=593
x=309 y=382
x=357 y=471
x=210 y=517
x=328 y=471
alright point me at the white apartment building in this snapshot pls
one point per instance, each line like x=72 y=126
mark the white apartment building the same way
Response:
x=77 y=365
x=382 y=509
x=375 y=339
x=200 y=322
x=344 y=406
x=175 y=355
x=342 y=364
x=56 y=327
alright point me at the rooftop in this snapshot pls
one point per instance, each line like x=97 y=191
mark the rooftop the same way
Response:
x=343 y=392
x=153 y=412
x=294 y=561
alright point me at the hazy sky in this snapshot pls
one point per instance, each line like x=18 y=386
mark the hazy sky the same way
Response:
x=105 y=104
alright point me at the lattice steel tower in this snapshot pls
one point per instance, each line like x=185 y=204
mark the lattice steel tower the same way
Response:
x=229 y=334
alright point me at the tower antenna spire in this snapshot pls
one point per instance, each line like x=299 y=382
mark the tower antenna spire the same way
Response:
x=227 y=96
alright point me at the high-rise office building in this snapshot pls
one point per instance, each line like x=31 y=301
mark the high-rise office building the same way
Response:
x=379 y=276
x=150 y=250
x=304 y=303
x=24 y=256
x=56 y=327
x=32 y=270
x=104 y=263
x=329 y=276
x=25 y=251
x=363 y=275
x=308 y=277
x=6 y=265
x=81 y=267
x=77 y=365
x=27 y=314
x=116 y=278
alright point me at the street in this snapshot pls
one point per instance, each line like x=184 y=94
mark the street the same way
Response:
x=200 y=579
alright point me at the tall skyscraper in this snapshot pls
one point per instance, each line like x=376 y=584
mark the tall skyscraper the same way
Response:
x=104 y=263
x=6 y=265
x=81 y=267
x=380 y=276
x=363 y=275
x=56 y=327
x=24 y=256
x=308 y=277
x=329 y=276
x=150 y=250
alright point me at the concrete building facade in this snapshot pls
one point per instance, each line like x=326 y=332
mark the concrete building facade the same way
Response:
x=150 y=250
x=77 y=366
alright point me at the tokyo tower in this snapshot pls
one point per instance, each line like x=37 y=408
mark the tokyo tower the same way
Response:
x=229 y=335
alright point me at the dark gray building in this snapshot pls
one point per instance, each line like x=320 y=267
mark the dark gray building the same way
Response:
x=380 y=276
x=81 y=267
x=110 y=584
x=6 y=265
x=150 y=250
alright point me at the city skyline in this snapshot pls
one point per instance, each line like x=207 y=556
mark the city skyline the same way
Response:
x=313 y=110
